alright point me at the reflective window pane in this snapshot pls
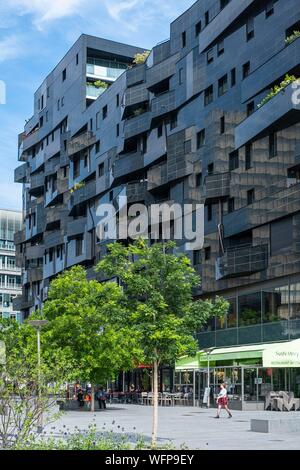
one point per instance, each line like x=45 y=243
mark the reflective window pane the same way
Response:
x=250 y=309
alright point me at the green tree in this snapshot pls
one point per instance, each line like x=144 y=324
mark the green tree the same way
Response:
x=88 y=326
x=158 y=288
x=21 y=406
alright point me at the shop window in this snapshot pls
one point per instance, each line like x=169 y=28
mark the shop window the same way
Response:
x=281 y=234
x=250 y=309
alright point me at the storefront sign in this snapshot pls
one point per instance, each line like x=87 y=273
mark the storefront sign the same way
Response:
x=282 y=355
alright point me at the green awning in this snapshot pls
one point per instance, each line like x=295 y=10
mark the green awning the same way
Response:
x=243 y=353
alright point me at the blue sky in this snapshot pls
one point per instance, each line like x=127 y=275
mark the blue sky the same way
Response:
x=35 y=34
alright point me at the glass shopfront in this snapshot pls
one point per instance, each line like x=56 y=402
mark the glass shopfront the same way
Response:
x=247 y=385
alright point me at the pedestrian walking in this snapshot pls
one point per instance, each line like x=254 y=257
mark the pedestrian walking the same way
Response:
x=222 y=401
x=80 y=398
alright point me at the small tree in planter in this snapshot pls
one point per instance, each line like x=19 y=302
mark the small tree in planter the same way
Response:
x=140 y=58
x=158 y=296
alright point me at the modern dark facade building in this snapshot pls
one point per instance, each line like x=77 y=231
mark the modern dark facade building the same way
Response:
x=191 y=124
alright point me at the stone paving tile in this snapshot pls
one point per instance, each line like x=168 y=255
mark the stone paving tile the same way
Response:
x=194 y=427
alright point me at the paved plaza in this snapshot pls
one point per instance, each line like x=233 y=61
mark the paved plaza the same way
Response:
x=195 y=428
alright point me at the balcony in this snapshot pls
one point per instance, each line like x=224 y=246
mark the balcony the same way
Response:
x=93 y=92
x=242 y=261
x=217 y=186
x=135 y=95
x=103 y=73
x=136 y=192
x=35 y=251
x=83 y=194
x=80 y=142
x=163 y=104
x=51 y=166
x=157 y=176
x=76 y=227
x=135 y=75
x=128 y=163
x=21 y=173
x=52 y=239
x=137 y=125
x=22 y=303
x=37 y=185
x=19 y=237
x=35 y=274
x=162 y=71
x=281 y=110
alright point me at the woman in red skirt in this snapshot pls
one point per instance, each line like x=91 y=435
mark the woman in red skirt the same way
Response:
x=222 y=401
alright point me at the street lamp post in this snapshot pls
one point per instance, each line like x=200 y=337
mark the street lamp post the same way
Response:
x=208 y=352
x=38 y=325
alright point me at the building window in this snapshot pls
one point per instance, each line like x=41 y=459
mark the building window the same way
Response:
x=104 y=112
x=209 y=212
x=64 y=75
x=85 y=160
x=118 y=100
x=281 y=235
x=183 y=39
x=118 y=130
x=188 y=146
x=206 y=18
x=197 y=257
x=250 y=196
x=97 y=146
x=273 y=145
x=210 y=169
x=180 y=76
x=91 y=124
x=250 y=29
x=50 y=255
x=41 y=121
x=198 y=27
x=269 y=8
x=208 y=95
x=223 y=85
x=47 y=116
x=233 y=160
x=101 y=170
x=233 y=77
x=58 y=105
x=97 y=120
x=223 y=4
x=48 y=92
x=250 y=108
x=198 y=180
x=159 y=131
x=200 y=138
x=207 y=253
x=173 y=121
x=222 y=125
x=79 y=246
x=246 y=70
x=249 y=152
x=144 y=144
x=220 y=48
x=77 y=59
x=230 y=205
x=76 y=168
x=210 y=55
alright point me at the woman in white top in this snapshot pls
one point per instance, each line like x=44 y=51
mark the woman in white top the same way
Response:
x=222 y=401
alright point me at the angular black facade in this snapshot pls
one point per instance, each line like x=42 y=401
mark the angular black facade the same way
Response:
x=186 y=126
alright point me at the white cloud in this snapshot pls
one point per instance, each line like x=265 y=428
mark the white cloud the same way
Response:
x=47 y=10
x=11 y=47
x=116 y=9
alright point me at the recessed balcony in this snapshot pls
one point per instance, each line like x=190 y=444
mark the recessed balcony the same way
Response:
x=128 y=163
x=21 y=173
x=37 y=186
x=163 y=104
x=93 y=92
x=242 y=261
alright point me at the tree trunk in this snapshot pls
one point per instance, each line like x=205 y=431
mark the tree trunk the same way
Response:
x=93 y=398
x=155 y=404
